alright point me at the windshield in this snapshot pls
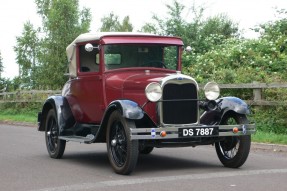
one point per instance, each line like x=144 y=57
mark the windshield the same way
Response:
x=131 y=55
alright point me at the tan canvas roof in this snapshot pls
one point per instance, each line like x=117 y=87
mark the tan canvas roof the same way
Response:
x=91 y=37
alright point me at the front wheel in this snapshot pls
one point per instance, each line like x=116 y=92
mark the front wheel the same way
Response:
x=55 y=146
x=145 y=150
x=233 y=151
x=122 y=152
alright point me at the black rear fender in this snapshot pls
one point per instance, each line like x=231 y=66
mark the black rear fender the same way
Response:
x=63 y=112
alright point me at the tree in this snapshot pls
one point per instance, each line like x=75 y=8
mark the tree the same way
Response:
x=26 y=50
x=172 y=26
x=42 y=58
x=1 y=65
x=3 y=81
x=272 y=29
x=111 y=23
x=196 y=31
x=62 y=23
x=126 y=25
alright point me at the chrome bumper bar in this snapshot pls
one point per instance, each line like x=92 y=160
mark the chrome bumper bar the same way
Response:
x=172 y=132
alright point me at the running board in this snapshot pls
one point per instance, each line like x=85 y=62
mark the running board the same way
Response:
x=88 y=139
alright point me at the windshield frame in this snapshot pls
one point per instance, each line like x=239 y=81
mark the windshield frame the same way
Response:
x=143 y=55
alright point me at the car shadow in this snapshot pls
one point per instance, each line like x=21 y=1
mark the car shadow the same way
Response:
x=154 y=162
x=89 y=159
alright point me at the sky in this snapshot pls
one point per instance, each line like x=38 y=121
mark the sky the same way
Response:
x=14 y=13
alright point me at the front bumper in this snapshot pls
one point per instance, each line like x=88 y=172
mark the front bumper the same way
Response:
x=172 y=132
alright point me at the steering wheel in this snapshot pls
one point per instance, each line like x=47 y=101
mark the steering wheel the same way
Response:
x=155 y=63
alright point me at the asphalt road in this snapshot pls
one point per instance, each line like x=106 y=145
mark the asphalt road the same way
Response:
x=25 y=165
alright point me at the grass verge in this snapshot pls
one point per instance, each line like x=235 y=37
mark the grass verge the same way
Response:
x=272 y=138
x=18 y=118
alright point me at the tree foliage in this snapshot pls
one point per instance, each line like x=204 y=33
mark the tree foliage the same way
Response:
x=234 y=59
x=1 y=65
x=41 y=52
x=196 y=31
x=26 y=50
x=111 y=23
x=237 y=60
x=2 y=81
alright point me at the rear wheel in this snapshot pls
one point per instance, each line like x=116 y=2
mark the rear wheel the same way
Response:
x=233 y=151
x=55 y=146
x=122 y=152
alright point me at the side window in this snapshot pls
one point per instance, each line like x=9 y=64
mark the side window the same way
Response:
x=89 y=61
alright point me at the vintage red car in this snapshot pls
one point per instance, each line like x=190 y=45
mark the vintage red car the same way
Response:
x=127 y=90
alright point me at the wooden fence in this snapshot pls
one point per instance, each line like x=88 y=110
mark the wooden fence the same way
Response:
x=258 y=97
x=27 y=95
x=41 y=95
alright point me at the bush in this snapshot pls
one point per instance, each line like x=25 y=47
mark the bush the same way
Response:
x=270 y=119
x=238 y=60
x=20 y=108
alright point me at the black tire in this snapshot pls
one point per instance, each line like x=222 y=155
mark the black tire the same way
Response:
x=122 y=152
x=234 y=150
x=55 y=146
x=145 y=150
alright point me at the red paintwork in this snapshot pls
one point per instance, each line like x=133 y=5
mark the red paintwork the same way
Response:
x=142 y=40
x=131 y=83
x=91 y=92
x=86 y=98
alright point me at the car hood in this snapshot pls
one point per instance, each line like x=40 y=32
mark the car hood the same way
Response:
x=130 y=84
x=133 y=80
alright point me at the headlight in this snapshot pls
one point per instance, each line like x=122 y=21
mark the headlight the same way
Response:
x=153 y=92
x=211 y=90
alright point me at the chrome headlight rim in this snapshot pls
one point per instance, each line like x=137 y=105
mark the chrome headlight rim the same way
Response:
x=211 y=90
x=153 y=91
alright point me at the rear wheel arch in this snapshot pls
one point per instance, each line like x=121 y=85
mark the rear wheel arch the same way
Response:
x=49 y=104
x=62 y=110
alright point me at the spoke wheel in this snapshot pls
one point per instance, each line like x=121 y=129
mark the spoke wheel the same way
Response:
x=55 y=146
x=118 y=143
x=122 y=152
x=233 y=151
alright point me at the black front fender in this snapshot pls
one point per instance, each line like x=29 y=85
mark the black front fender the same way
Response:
x=129 y=109
x=234 y=104
x=225 y=104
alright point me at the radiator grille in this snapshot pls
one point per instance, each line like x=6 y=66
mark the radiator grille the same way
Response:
x=176 y=109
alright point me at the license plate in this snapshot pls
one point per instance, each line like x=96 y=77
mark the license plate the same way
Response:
x=198 y=132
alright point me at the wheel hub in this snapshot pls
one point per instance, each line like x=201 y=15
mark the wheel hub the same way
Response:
x=114 y=142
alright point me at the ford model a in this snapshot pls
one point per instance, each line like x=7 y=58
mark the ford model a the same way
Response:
x=126 y=90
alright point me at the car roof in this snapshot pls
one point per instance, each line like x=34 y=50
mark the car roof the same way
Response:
x=96 y=36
